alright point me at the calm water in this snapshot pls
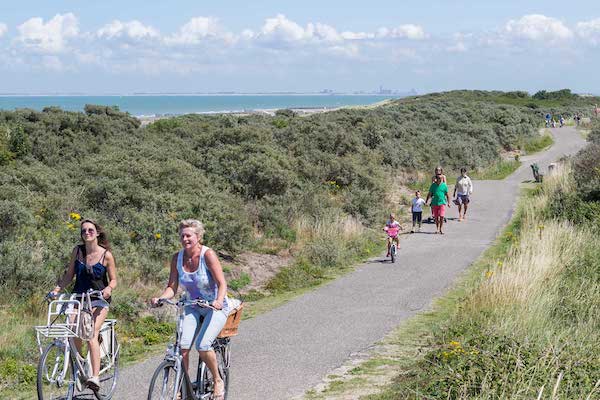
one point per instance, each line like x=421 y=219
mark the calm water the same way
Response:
x=158 y=105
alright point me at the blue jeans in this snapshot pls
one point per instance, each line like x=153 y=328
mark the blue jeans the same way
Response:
x=201 y=323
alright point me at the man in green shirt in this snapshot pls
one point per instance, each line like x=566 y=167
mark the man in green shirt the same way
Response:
x=438 y=193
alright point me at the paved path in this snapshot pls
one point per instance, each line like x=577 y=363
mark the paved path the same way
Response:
x=284 y=352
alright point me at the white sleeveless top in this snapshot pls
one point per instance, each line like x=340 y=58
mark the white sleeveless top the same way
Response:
x=199 y=284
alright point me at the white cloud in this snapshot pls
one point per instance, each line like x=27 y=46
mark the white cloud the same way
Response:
x=280 y=28
x=538 y=27
x=408 y=31
x=3 y=29
x=132 y=29
x=196 y=30
x=589 y=30
x=49 y=37
x=323 y=32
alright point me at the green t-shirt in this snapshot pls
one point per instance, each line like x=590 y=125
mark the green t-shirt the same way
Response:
x=438 y=193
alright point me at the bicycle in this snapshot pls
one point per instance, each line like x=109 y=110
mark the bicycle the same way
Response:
x=62 y=370
x=171 y=381
x=392 y=237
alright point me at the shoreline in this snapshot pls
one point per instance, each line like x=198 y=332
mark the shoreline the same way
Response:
x=300 y=111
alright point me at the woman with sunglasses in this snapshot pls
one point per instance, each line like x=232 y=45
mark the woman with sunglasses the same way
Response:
x=93 y=266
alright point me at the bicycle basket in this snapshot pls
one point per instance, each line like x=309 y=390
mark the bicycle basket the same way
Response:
x=233 y=322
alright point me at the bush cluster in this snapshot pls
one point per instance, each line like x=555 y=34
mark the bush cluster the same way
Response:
x=240 y=174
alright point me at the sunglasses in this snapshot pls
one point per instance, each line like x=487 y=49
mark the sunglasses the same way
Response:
x=88 y=230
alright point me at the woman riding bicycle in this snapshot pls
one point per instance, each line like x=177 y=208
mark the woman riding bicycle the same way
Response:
x=93 y=266
x=392 y=227
x=198 y=270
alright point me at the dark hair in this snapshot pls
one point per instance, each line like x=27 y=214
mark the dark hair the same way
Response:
x=463 y=169
x=102 y=236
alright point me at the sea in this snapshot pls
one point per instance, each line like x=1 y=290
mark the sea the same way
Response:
x=161 y=105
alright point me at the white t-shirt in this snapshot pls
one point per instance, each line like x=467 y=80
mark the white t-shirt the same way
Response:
x=417 y=204
x=464 y=186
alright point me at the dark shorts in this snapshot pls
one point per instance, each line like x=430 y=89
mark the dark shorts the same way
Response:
x=462 y=199
x=416 y=216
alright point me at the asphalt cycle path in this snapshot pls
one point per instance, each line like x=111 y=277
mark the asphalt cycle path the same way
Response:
x=284 y=352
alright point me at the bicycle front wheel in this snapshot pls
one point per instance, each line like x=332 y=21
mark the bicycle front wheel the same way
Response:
x=55 y=374
x=108 y=379
x=393 y=253
x=164 y=384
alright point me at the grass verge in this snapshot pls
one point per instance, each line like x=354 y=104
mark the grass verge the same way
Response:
x=538 y=143
x=496 y=171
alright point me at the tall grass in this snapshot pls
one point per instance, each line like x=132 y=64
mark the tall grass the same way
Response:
x=325 y=246
x=538 y=143
x=497 y=170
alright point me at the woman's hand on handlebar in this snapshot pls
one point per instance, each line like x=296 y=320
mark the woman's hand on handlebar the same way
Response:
x=217 y=304
x=156 y=302
x=106 y=292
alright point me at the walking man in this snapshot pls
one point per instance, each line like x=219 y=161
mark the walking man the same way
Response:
x=438 y=193
x=462 y=192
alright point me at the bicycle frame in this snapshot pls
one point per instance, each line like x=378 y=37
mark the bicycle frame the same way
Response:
x=174 y=354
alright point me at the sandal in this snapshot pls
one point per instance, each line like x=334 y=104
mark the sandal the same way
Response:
x=221 y=394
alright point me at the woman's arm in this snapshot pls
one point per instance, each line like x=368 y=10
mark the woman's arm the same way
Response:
x=214 y=265
x=172 y=285
x=112 y=275
x=68 y=276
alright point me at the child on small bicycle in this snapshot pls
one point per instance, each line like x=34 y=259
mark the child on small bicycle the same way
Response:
x=392 y=228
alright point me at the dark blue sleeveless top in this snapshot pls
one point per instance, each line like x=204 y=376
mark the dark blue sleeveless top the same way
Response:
x=90 y=276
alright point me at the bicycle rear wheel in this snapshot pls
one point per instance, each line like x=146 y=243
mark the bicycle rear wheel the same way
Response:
x=108 y=380
x=55 y=374
x=163 y=384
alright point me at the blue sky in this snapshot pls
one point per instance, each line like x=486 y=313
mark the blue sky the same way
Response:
x=184 y=45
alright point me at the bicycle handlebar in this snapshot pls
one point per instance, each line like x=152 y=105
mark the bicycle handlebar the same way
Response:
x=183 y=303
x=91 y=292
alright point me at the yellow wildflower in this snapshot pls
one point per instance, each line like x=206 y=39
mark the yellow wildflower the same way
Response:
x=75 y=216
x=489 y=274
x=455 y=344
x=157 y=235
x=70 y=225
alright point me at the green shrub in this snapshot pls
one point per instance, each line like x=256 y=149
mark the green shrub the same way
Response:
x=239 y=283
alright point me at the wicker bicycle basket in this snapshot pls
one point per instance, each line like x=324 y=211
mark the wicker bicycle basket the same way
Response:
x=233 y=322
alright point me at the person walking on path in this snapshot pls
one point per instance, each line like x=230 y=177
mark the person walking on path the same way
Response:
x=438 y=193
x=462 y=192
x=417 y=211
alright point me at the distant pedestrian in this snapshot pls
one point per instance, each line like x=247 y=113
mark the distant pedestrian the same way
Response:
x=438 y=193
x=577 y=119
x=462 y=192
x=562 y=121
x=548 y=118
x=417 y=211
x=439 y=171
